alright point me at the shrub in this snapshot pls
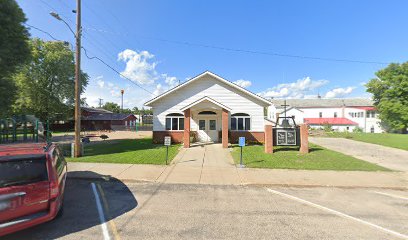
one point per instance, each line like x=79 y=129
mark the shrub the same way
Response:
x=104 y=137
x=327 y=127
x=357 y=130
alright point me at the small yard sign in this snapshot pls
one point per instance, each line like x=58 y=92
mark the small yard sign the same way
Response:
x=167 y=141
x=241 y=143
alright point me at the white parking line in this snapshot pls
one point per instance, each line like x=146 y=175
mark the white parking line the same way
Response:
x=101 y=214
x=390 y=195
x=400 y=235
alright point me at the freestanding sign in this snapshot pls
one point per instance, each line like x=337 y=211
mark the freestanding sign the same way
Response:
x=285 y=133
x=241 y=143
x=286 y=137
x=167 y=143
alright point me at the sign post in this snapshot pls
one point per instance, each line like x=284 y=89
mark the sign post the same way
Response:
x=167 y=143
x=241 y=143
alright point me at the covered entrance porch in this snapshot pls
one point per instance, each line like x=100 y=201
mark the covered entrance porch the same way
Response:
x=205 y=121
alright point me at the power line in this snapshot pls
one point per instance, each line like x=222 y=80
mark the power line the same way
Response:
x=223 y=48
x=265 y=53
x=246 y=50
x=31 y=26
x=94 y=57
x=113 y=69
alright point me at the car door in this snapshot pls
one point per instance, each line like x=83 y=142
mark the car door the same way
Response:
x=24 y=186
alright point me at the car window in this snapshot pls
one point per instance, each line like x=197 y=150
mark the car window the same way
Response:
x=59 y=161
x=23 y=171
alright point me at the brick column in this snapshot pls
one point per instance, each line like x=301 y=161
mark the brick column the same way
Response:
x=186 y=136
x=304 y=139
x=268 y=139
x=224 y=128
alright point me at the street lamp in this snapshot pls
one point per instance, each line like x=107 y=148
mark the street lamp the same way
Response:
x=58 y=17
x=77 y=117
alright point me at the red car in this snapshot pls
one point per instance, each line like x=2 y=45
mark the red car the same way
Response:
x=32 y=183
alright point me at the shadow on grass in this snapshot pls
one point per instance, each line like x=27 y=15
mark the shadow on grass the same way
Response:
x=285 y=149
x=296 y=149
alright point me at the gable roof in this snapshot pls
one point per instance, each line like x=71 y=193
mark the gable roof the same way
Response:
x=205 y=99
x=323 y=102
x=288 y=109
x=95 y=110
x=121 y=116
x=239 y=88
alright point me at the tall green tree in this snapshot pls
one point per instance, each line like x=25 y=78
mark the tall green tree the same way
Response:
x=14 y=50
x=135 y=110
x=390 y=95
x=111 y=106
x=46 y=84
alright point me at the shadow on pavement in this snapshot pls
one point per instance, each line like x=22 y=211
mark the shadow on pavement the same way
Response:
x=80 y=210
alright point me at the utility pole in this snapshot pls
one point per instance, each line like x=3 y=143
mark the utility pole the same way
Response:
x=122 y=92
x=100 y=102
x=77 y=144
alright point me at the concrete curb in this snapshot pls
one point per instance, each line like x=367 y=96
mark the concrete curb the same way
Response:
x=111 y=178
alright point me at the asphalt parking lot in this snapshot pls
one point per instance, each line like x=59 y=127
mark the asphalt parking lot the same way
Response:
x=176 y=211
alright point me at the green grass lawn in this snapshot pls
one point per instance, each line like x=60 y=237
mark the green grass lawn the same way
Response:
x=138 y=151
x=386 y=139
x=319 y=158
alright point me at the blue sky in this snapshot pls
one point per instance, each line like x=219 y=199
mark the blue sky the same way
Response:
x=160 y=43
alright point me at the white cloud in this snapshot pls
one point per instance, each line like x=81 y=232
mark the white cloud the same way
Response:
x=158 y=90
x=139 y=66
x=101 y=83
x=339 y=92
x=293 y=90
x=243 y=83
x=170 y=81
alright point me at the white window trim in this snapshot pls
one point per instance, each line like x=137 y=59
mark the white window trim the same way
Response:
x=236 y=117
x=171 y=123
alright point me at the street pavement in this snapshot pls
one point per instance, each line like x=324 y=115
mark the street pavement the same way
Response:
x=194 y=211
x=392 y=158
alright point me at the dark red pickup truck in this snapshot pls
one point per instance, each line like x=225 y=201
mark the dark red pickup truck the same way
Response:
x=32 y=183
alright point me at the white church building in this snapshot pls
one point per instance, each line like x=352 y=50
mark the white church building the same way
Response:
x=209 y=108
x=342 y=114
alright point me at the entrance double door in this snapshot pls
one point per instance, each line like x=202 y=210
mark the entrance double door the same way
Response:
x=207 y=129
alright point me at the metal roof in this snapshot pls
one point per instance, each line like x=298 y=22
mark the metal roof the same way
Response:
x=331 y=121
x=324 y=102
x=95 y=110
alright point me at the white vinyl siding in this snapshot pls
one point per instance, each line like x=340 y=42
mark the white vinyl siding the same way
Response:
x=238 y=102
